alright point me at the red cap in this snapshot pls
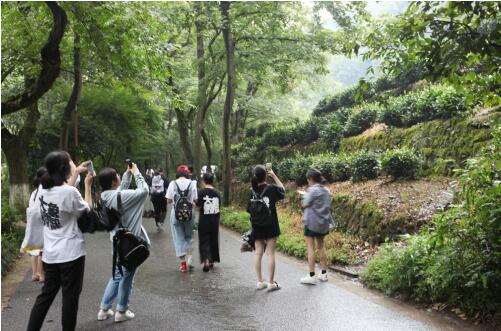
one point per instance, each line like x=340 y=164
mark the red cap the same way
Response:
x=183 y=168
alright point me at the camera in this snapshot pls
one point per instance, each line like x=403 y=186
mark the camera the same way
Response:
x=129 y=162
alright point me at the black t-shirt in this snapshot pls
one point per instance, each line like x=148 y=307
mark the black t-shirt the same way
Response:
x=166 y=183
x=272 y=195
x=209 y=202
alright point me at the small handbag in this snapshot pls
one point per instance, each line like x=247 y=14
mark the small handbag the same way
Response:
x=98 y=218
x=247 y=242
x=33 y=236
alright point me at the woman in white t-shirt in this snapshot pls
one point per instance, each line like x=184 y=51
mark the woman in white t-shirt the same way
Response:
x=182 y=232
x=64 y=247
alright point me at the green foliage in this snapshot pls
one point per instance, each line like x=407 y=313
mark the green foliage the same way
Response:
x=361 y=119
x=456 y=40
x=284 y=169
x=11 y=242
x=292 y=244
x=367 y=90
x=113 y=124
x=306 y=132
x=331 y=135
x=435 y=101
x=396 y=269
x=299 y=168
x=279 y=135
x=334 y=167
x=400 y=163
x=12 y=233
x=364 y=165
x=235 y=219
x=441 y=144
x=457 y=259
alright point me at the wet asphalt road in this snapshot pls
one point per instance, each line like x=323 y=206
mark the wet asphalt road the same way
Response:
x=223 y=299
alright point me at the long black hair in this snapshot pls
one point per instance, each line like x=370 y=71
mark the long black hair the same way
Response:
x=315 y=175
x=58 y=168
x=258 y=176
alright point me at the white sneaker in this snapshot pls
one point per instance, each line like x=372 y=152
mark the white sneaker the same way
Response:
x=312 y=280
x=261 y=285
x=322 y=277
x=189 y=261
x=273 y=286
x=103 y=315
x=122 y=317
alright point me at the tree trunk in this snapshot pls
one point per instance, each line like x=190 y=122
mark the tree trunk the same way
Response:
x=202 y=91
x=51 y=65
x=228 y=103
x=207 y=147
x=184 y=134
x=71 y=106
x=15 y=148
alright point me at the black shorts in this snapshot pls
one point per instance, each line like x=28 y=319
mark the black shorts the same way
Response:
x=309 y=233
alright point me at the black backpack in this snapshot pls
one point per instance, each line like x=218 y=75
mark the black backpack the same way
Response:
x=183 y=208
x=129 y=250
x=258 y=209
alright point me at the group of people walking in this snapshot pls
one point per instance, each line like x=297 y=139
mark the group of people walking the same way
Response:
x=60 y=205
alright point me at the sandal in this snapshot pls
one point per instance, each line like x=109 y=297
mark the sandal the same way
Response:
x=35 y=278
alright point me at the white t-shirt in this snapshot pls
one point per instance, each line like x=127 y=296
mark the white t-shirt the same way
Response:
x=183 y=185
x=60 y=208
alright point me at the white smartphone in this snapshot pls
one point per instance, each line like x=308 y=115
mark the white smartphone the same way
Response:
x=268 y=166
x=90 y=168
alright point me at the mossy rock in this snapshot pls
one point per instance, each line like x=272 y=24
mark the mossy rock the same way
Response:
x=455 y=139
x=361 y=219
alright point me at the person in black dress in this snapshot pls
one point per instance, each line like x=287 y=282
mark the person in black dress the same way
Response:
x=209 y=202
x=266 y=236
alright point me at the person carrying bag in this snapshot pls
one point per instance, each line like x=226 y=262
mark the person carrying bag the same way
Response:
x=130 y=241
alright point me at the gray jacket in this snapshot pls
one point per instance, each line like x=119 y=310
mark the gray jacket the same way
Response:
x=132 y=203
x=317 y=213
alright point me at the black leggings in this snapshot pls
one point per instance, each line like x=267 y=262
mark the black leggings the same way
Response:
x=68 y=276
x=160 y=206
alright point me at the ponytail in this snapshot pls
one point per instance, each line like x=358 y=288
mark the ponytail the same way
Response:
x=47 y=181
x=254 y=182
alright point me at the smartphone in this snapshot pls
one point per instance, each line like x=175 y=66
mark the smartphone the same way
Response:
x=129 y=162
x=268 y=166
x=90 y=168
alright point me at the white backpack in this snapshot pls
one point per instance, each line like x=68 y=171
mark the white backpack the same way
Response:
x=157 y=185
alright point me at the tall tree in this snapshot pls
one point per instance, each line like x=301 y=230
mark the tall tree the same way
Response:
x=16 y=147
x=71 y=106
x=50 y=62
x=230 y=97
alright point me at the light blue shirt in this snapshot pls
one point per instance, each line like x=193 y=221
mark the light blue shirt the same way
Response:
x=132 y=203
x=317 y=213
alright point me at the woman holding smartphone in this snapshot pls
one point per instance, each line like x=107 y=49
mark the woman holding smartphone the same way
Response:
x=64 y=247
x=266 y=235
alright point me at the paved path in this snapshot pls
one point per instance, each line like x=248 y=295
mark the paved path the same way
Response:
x=223 y=299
